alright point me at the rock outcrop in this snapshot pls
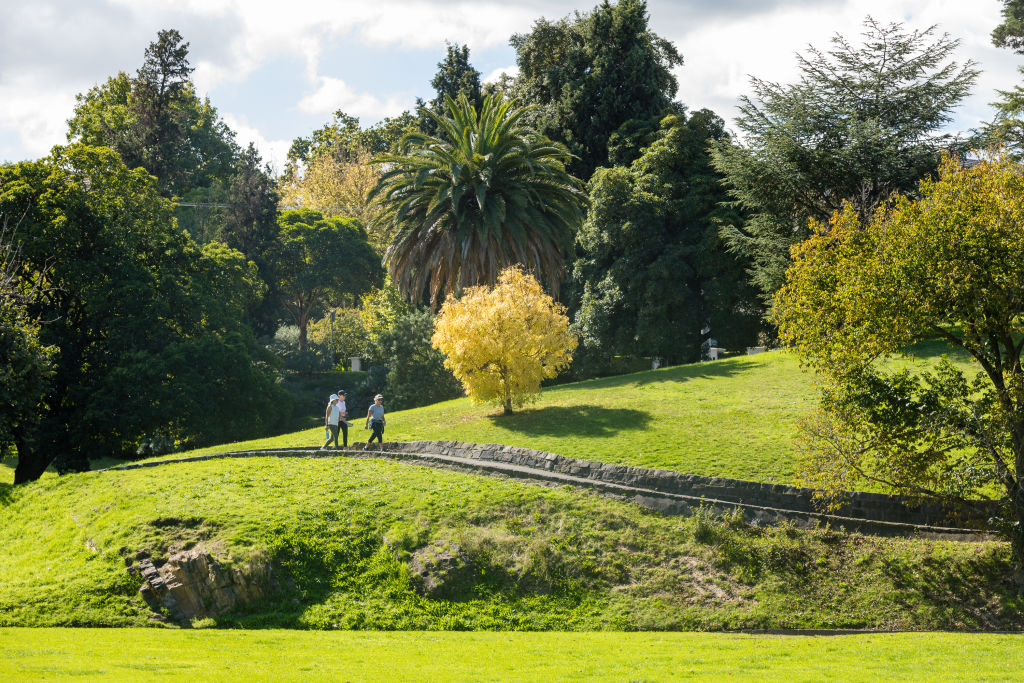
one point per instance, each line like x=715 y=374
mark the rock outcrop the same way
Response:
x=193 y=584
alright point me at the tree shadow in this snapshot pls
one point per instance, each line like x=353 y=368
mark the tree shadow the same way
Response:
x=728 y=367
x=6 y=494
x=578 y=420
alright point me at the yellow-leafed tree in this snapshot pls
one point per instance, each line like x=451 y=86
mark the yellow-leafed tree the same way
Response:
x=501 y=342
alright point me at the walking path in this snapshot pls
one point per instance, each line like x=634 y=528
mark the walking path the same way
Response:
x=637 y=485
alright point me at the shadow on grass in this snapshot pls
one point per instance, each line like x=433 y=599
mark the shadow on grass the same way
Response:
x=728 y=367
x=579 y=420
x=6 y=493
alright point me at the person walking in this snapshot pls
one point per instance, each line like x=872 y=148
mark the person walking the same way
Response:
x=343 y=421
x=331 y=419
x=375 y=421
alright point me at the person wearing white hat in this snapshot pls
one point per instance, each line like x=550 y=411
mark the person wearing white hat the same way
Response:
x=331 y=419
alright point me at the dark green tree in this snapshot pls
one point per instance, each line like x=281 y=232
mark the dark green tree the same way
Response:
x=416 y=373
x=25 y=364
x=1010 y=33
x=145 y=324
x=591 y=73
x=861 y=123
x=652 y=269
x=319 y=262
x=155 y=120
x=250 y=226
x=455 y=76
x=484 y=193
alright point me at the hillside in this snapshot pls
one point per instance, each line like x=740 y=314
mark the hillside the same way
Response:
x=345 y=542
x=729 y=418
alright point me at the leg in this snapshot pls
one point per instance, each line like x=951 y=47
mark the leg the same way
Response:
x=344 y=434
x=334 y=435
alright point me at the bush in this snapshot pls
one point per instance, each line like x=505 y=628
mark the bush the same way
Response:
x=416 y=373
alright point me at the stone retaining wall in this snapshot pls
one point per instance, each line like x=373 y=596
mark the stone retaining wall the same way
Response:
x=867 y=506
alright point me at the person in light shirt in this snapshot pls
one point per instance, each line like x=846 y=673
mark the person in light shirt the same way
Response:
x=375 y=421
x=331 y=419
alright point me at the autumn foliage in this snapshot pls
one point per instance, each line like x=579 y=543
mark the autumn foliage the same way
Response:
x=501 y=342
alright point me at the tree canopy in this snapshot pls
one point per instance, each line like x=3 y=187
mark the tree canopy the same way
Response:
x=484 y=193
x=862 y=122
x=501 y=342
x=652 y=268
x=455 y=77
x=1010 y=33
x=146 y=327
x=155 y=120
x=947 y=265
x=591 y=73
x=318 y=261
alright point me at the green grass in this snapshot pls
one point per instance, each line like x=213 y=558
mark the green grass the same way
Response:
x=730 y=418
x=122 y=654
x=340 y=532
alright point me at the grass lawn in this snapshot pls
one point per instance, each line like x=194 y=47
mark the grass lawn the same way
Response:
x=340 y=533
x=128 y=654
x=730 y=418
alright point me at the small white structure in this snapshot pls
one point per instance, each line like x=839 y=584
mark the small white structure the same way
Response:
x=754 y=350
x=715 y=352
x=355 y=363
x=655 y=362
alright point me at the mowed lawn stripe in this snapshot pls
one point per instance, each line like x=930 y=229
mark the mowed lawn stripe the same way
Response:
x=125 y=654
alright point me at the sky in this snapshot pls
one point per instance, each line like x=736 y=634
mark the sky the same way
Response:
x=278 y=70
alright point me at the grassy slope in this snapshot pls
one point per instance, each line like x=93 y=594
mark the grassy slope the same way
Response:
x=731 y=418
x=280 y=655
x=554 y=559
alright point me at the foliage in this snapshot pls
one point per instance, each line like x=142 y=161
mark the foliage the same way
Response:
x=592 y=73
x=484 y=193
x=1010 y=33
x=250 y=226
x=345 y=334
x=155 y=120
x=25 y=364
x=947 y=265
x=862 y=122
x=455 y=77
x=146 y=325
x=501 y=342
x=417 y=375
x=651 y=267
x=380 y=310
x=319 y=261
x=340 y=187
x=1006 y=131
x=344 y=138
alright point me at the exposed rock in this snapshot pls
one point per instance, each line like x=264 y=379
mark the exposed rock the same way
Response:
x=193 y=585
x=437 y=569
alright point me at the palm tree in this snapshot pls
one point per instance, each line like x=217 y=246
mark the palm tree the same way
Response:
x=484 y=193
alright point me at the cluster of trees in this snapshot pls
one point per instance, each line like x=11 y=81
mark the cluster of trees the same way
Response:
x=142 y=262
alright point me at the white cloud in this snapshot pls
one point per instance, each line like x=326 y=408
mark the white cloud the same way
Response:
x=511 y=71
x=333 y=94
x=22 y=101
x=274 y=152
x=52 y=49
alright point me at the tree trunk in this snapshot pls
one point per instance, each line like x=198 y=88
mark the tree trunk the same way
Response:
x=508 y=406
x=31 y=463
